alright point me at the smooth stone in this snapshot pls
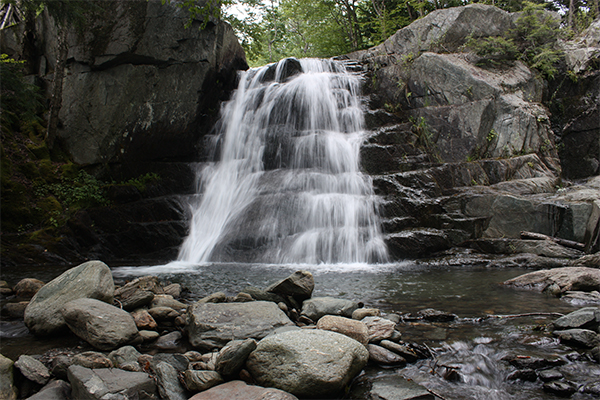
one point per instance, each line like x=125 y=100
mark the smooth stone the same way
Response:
x=148 y=336
x=33 y=369
x=578 y=337
x=168 y=382
x=233 y=356
x=299 y=285
x=307 y=363
x=8 y=390
x=213 y=325
x=92 y=279
x=382 y=356
x=379 y=328
x=176 y=360
x=352 y=328
x=110 y=383
x=242 y=297
x=161 y=314
x=164 y=300
x=124 y=355
x=199 y=381
x=92 y=360
x=54 y=390
x=360 y=313
x=238 y=390
x=318 y=307
x=28 y=287
x=102 y=325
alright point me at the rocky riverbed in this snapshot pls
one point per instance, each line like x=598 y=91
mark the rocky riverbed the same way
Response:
x=147 y=338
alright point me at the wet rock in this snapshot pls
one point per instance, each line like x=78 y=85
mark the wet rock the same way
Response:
x=28 y=287
x=14 y=310
x=317 y=307
x=177 y=361
x=395 y=387
x=100 y=324
x=584 y=318
x=595 y=353
x=233 y=356
x=238 y=390
x=218 y=297
x=579 y=298
x=352 y=328
x=92 y=359
x=567 y=279
x=382 y=356
x=124 y=355
x=164 y=300
x=527 y=362
x=137 y=299
x=92 y=279
x=578 y=337
x=402 y=349
x=199 y=381
x=143 y=320
x=108 y=382
x=33 y=369
x=379 y=328
x=8 y=390
x=313 y=363
x=360 y=313
x=592 y=388
x=416 y=242
x=168 y=382
x=560 y=388
x=548 y=375
x=212 y=325
x=528 y=375
x=299 y=285
x=432 y=315
x=54 y=390
x=170 y=341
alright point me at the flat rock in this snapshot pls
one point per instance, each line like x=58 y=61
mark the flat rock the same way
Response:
x=238 y=390
x=176 y=360
x=565 y=279
x=33 y=369
x=317 y=307
x=560 y=388
x=102 y=325
x=143 y=320
x=429 y=314
x=307 y=363
x=213 y=325
x=92 y=279
x=395 y=387
x=352 y=328
x=107 y=382
x=165 y=300
x=170 y=341
x=579 y=298
x=137 y=299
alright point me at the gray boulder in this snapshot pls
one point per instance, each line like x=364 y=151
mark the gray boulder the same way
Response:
x=124 y=355
x=584 y=49
x=307 y=363
x=559 y=280
x=33 y=369
x=232 y=357
x=578 y=337
x=213 y=325
x=317 y=307
x=92 y=279
x=102 y=325
x=238 y=390
x=8 y=390
x=584 y=318
x=299 y=285
x=97 y=384
x=168 y=382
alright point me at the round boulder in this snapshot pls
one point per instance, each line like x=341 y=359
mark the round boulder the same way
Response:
x=307 y=363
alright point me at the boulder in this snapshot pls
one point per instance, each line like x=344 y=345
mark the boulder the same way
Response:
x=317 y=307
x=102 y=325
x=299 y=285
x=33 y=369
x=307 y=363
x=578 y=337
x=238 y=390
x=14 y=310
x=232 y=357
x=584 y=318
x=559 y=279
x=28 y=287
x=168 y=382
x=54 y=390
x=92 y=279
x=352 y=328
x=213 y=325
x=96 y=384
x=8 y=390
x=584 y=49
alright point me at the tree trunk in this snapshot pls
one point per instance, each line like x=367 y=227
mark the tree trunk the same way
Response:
x=57 y=87
x=570 y=16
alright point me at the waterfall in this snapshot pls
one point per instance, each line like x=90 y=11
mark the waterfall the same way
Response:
x=286 y=185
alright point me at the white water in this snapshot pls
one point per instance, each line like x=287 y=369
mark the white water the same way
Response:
x=287 y=186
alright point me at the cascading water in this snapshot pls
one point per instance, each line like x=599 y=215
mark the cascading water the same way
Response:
x=287 y=185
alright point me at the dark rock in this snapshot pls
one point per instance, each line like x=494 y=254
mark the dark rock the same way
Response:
x=548 y=375
x=584 y=318
x=124 y=355
x=299 y=285
x=238 y=390
x=560 y=388
x=527 y=362
x=54 y=390
x=92 y=360
x=199 y=381
x=102 y=325
x=14 y=310
x=177 y=361
x=92 y=279
x=259 y=294
x=170 y=341
x=163 y=314
x=137 y=299
x=7 y=388
x=432 y=315
x=595 y=353
x=168 y=382
x=578 y=337
x=417 y=242
x=28 y=287
x=96 y=384
x=33 y=369
x=528 y=375
x=382 y=356
x=233 y=356
x=592 y=388
x=213 y=325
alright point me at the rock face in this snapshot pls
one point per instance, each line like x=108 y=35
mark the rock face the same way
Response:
x=213 y=325
x=312 y=364
x=92 y=279
x=102 y=325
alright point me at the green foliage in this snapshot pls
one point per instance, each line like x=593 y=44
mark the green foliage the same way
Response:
x=82 y=191
x=493 y=49
x=142 y=182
